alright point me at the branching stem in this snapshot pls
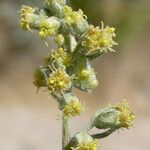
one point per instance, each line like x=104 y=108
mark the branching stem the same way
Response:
x=104 y=134
x=65 y=131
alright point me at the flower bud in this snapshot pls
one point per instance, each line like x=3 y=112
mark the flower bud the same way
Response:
x=82 y=141
x=28 y=17
x=70 y=42
x=49 y=27
x=86 y=78
x=72 y=107
x=80 y=27
x=55 y=6
x=115 y=116
x=39 y=78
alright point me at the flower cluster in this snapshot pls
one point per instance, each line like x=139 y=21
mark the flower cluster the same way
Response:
x=72 y=17
x=73 y=108
x=52 y=73
x=59 y=81
x=69 y=66
x=100 y=40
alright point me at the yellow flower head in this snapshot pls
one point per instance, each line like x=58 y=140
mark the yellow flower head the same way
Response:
x=89 y=145
x=59 y=81
x=125 y=115
x=72 y=17
x=73 y=108
x=26 y=17
x=46 y=29
x=99 y=39
x=59 y=55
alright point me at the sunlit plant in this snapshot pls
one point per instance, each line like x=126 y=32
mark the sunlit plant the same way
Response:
x=70 y=66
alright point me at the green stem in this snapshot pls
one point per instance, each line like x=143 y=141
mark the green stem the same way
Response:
x=65 y=131
x=88 y=127
x=104 y=134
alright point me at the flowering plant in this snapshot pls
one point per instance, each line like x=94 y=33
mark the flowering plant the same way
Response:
x=70 y=66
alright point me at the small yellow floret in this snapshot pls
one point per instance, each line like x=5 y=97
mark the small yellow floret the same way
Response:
x=125 y=115
x=99 y=39
x=90 y=145
x=59 y=39
x=72 y=17
x=59 y=81
x=65 y=57
x=73 y=108
x=25 y=17
x=46 y=29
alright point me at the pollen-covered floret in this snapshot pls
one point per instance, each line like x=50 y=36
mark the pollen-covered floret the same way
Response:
x=83 y=141
x=114 y=117
x=58 y=81
x=47 y=29
x=27 y=17
x=72 y=17
x=73 y=108
x=125 y=114
x=59 y=56
x=99 y=39
x=89 y=145
x=85 y=76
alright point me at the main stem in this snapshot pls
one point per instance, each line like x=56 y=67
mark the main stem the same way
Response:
x=65 y=131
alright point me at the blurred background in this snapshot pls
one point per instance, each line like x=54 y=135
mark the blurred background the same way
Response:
x=31 y=121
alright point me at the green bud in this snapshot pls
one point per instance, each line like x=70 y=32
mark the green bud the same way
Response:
x=86 y=77
x=55 y=6
x=67 y=98
x=82 y=141
x=115 y=116
x=71 y=42
x=39 y=78
x=80 y=27
x=105 y=119
x=71 y=106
